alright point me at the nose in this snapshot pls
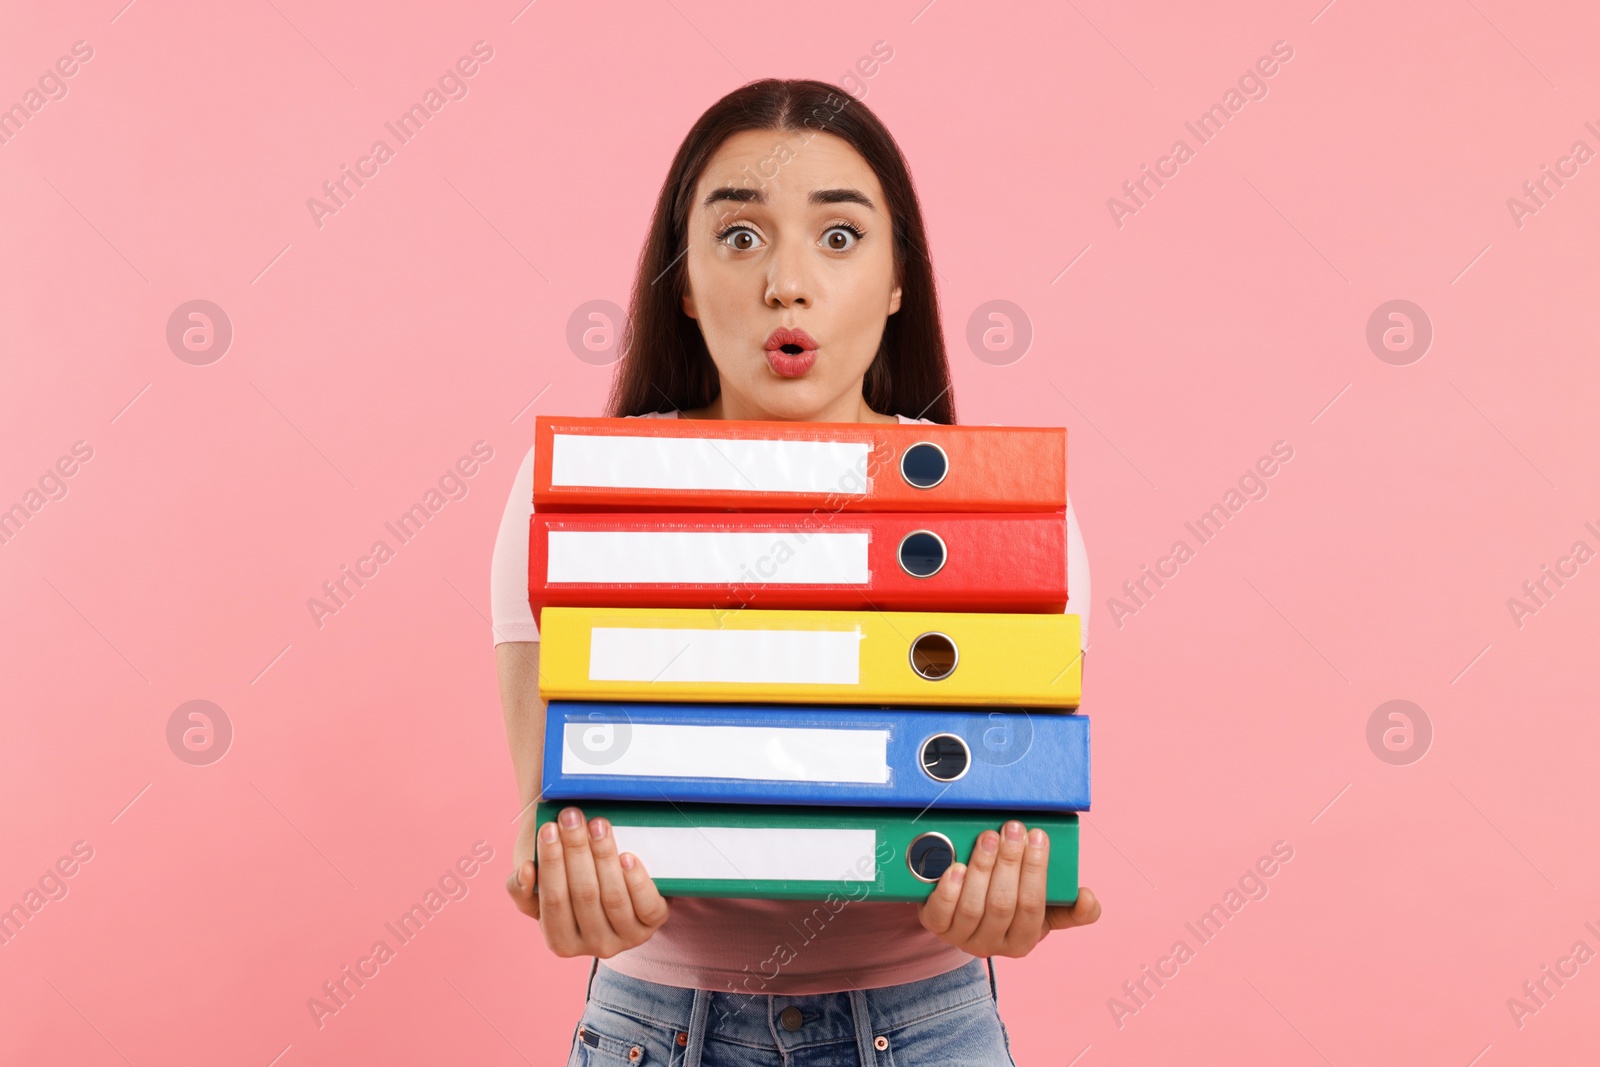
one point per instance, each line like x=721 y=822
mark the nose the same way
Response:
x=788 y=281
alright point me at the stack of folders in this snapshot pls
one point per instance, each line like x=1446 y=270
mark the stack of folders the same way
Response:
x=792 y=660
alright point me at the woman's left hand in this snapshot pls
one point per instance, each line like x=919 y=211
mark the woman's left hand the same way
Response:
x=994 y=905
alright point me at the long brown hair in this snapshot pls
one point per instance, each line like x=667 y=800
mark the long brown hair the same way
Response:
x=665 y=364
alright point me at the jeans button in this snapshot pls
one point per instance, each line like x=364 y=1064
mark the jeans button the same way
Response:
x=791 y=1018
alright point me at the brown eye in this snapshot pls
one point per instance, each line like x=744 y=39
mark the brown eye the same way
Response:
x=841 y=238
x=743 y=238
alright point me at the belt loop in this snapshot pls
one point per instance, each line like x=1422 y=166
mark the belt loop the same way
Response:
x=588 y=989
x=862 y=1016
x=994 y=991
x=698 y=1011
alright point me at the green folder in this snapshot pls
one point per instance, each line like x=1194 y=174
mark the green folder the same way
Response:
x=814 y=852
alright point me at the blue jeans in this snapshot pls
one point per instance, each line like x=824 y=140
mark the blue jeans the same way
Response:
x=949 y=1020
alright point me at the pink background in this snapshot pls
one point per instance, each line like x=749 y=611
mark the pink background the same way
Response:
x=369 y=354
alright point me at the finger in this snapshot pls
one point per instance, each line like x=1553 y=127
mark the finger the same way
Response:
x=648 y=903
x=1001 y=904
x=555 y=906
x=523 y=880
x=530 y=879
x=1031 y=885
x=523 y=886
x=937 y=912
x=974 y=888
x=1083 y=911
x=615 y=899
x=583 y=883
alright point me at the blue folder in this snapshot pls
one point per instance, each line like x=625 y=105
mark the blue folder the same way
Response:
x=817 y=754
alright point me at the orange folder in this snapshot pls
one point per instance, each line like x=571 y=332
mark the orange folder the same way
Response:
x=596 y=463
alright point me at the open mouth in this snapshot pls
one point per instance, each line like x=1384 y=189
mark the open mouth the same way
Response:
x=790 y=352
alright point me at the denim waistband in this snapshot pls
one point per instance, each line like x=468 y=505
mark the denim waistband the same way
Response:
x=757 y=1020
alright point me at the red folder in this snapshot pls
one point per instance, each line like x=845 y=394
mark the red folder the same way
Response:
x=698 y=464
x=889 y=561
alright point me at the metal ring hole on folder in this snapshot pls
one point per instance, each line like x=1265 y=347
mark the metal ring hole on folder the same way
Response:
x=934 y=655
x=921 y=553
x=924 y=465
x=945 y=757
x=929 y=855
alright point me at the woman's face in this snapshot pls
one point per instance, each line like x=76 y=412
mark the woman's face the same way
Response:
x=790 y=230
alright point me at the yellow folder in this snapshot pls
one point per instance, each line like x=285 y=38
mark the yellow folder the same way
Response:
x=830 y=657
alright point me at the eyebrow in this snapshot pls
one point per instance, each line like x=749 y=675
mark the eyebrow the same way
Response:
x=818 y=196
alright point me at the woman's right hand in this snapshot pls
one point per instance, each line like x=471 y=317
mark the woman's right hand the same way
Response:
x=589 y=900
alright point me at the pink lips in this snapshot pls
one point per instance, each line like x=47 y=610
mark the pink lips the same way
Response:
x=800 y=355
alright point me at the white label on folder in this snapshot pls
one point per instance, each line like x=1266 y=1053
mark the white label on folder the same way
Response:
x=741 y=853
x=778 y=557
x=760 y=753
x=710 y=463
x=806 y=657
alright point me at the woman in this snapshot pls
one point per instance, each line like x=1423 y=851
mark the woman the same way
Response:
x=786 y=276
